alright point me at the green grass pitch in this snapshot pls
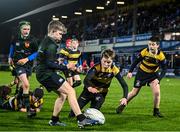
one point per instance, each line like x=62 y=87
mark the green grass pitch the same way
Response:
x=136 y=117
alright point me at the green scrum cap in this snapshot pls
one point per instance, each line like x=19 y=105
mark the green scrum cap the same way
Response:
x=21 y=23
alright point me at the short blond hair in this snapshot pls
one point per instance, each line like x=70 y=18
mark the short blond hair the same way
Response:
x=55 y=25
x=108 y=53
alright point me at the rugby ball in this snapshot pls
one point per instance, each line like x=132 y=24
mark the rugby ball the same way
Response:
x=95 y=114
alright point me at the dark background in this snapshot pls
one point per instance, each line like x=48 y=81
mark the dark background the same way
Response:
x=12 y=8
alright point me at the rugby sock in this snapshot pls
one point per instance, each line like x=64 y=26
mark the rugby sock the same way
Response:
x=26 y=101
x=20 y=93
x=55 y=119
x=81 y=117
x=156 y=110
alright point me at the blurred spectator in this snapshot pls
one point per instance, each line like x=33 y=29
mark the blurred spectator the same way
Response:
x=92 y=63
x=154 y=18
x=85 y=66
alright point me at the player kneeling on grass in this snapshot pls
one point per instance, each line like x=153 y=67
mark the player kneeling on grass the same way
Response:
x=46 y=74
x=98 y=80
x=16 y=102
x=150 y=60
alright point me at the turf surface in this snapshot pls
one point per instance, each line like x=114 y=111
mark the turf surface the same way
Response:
x=136 y=117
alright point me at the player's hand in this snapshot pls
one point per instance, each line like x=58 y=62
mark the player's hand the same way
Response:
x=23 y=110
x=92 y=90
x=10 y=61
x=60 y=61
x=22 y=61
x=129 y=75
x=71 y=66
x=123 y=101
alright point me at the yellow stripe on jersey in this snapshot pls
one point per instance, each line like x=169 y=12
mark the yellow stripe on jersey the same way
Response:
x=72 y=56
x=102 y=90
x=41 y=101
x=150 y=63
x=74 y=62
x=105 y=76
x=113 y=69
x=75 y=55
x=148 y=70
x=37 y=104
x=64 y=52
x=159 y=56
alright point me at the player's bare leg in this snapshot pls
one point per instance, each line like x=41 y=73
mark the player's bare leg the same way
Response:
x=70 y=80
x=71 y=95
x=131 y=95
x=156 y=95
x=25 y=85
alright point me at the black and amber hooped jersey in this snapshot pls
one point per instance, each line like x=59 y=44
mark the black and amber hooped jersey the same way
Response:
x=70 y=55
x=17 y=103
x=36 y=103
x=102 y=77
x=149 y=63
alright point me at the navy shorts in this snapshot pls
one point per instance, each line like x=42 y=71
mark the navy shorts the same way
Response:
x=21 y=70
x=53 y=83
x=96 y=100
x=142 y=78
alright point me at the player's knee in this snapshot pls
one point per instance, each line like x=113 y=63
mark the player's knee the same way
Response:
x=70 y=91
x=99 y=101
x=63 y=97
x=76 y=83
x=26 y=86
x=154 y=83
